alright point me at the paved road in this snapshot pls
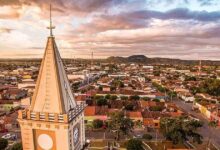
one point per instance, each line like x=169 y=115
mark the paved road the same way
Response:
x=205 y=130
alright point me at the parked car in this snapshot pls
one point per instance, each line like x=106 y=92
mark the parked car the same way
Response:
x=9 y=136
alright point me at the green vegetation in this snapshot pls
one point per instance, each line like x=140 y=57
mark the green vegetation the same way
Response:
x=172 y=94
x=17 y=146
x=146 y=98
x=107 y=96
x=156 y=73
x=156 y=108
x=135 y=144
x=113 y=97
x=190 y=78
x=124 y=98
x=118 y=83
x=119 y=124
x=147 y=137
x=129 y=107
x=3 y=143
x=101 y=101
x=97 y=123
x=159 y=87
x=179 y=130
x=134 y=97
x=100 y=88
x=156 y=100
x=209 y=86
x=75 y=86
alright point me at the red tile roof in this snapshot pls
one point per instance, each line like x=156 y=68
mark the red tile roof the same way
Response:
x=134 y=114
x=89 y=111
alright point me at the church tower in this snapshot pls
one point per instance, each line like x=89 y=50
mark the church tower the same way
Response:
x=54 y=121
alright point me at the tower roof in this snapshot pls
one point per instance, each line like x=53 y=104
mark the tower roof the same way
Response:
x=52 y=93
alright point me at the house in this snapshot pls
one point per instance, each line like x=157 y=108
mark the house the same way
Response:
x=26 y=83
x=186 y=96
x=106 y=88
x=151 y=119
x=7 y=105
x=95 y=112
x=134 y=116
x=203 y=109
x=25 y=102
x=147 y=104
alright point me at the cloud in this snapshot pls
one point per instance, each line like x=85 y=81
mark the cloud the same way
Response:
x=5 y=30
x=178 y=13
x=9 y=2
x=207 y=2
x=8 y=12
x=67 y=6
x=111 y=27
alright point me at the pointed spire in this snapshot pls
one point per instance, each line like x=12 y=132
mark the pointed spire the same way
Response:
x=53 y=92
x=51 y=27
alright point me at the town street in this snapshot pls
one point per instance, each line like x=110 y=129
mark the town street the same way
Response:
x=205 y=130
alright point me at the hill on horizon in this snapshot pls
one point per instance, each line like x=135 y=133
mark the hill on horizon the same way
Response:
x=157 y=60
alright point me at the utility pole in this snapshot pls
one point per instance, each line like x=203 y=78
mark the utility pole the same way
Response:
x=91 y=61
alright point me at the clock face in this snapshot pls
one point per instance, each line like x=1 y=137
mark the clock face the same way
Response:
x=76 y=135
x=45 y=141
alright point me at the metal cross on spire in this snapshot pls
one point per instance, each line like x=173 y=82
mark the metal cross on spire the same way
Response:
x=51 y=27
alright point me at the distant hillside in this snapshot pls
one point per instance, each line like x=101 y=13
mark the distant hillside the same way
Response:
x=131 y=59
x=145 y=60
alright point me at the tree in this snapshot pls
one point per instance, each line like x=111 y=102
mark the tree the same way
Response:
x=134 y=97
x=190 y=78
x=97 y=123
x=146 y=98
x=3 y=143
x=17 y=146
x=172 y=94
x=124 y=98
x=179 y=130
x=156 y=100
x=121 y=85
x=113 y=97
x=156 y=108
x=210 y=86
x=98 y=97
x=129 y=107
x=159 y=87
x=147 y=137
x=107 y=96
x=135 y=144
x=100 y=88
x=120 y=124
x=101 y=102
x=156 y=73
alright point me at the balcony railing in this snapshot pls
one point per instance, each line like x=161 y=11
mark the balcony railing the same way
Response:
x=52 y=117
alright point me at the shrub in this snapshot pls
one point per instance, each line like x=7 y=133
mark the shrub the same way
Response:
x=97 y=123
x=134 y=97
x=147 y=136
x=3 y=143
x=135 y=144
x=129 y=107
x=17 y=146
x=113 y=97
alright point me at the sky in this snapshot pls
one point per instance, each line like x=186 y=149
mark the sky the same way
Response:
x=184 y=29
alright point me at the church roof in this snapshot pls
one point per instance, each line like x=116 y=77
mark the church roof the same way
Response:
x=52 y=93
